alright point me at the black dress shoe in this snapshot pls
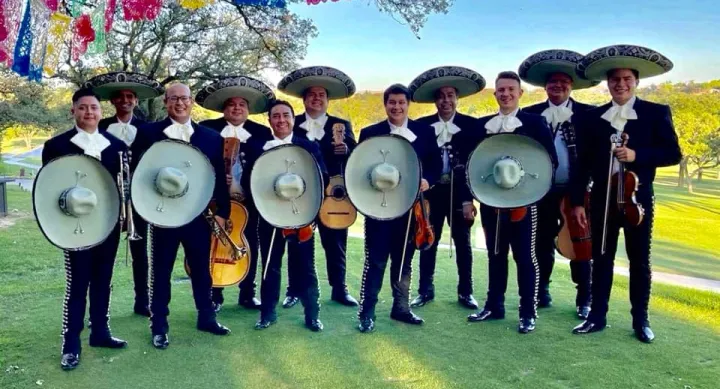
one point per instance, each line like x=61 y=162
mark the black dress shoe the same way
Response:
x=421 y=300
x=583 y=312
x=142 y=310
x=314 y=325
x=344 y=298
x=366 y=325
x=160 y=341
x=107 y=342
x=407 y=317
x=249 y=302
x=264 y=323
x=214 y=327
x=527 y=324
x=468 y=301
x=644 y=334
x=486 y=314
x=290 y=301
x=544 y=300
x=69 y=361
x=588 y=327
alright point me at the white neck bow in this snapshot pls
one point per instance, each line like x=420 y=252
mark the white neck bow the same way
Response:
x=618 y=115
x=502 y=123
x=315 y=127
x=126 y=132
x=181 y=132
x=557 y=114
x=445 y=131
x=92 y=144
x=238 y=132
x=277 y=142
x=403 y=131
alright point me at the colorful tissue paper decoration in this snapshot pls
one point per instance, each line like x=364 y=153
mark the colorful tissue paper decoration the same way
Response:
x=98 y=45
x=110 y=14
x=136 y=10
x=316 y=2
x=262 y=3
x=195 y=4
x=12 y=16
x=40 y=21
x=21 y=57
x=83 y=34
x=57 y=35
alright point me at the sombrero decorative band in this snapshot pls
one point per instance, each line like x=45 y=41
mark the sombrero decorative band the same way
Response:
x=647 y=62
x=467 y=82
x=537 y=68
x=257 y=94
x=337 y=84
x=106 y=85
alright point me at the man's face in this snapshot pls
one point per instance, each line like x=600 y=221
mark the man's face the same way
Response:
x=87 y=112
x=446 y=100
x=397 y=107
x=236 y=110
x=316 y=99
x=281 y=120
x=124 y=101
x=178 y=102
x=559 y=87
x=507 y=93
x=622 y=84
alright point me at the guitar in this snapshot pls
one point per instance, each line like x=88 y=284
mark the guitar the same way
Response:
x=337 y=212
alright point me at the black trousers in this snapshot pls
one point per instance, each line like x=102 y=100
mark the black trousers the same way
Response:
x=439 y=199
x=88 y=269
x=521 y=236
x=334 y=243
x=383 y=240
x=138 y=250
x=247 y=285
x=638 y=240
x=195 y=239
x=549 y=219
x=302 y=257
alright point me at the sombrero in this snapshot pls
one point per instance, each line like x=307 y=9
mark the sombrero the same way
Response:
x=258 y=95
x=465 y=81
x=76 y=202
x=287 y=186
x=646 y=62
x=536 y=68
x=382 y=177
x=172 y=184
x=509 y=171
x=106 y=85
x=337 y=84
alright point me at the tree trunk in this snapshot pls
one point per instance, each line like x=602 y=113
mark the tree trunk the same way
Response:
x=28 y=141
x=689 y=177
x=681 y=173
x=718 y=173
x=700 y=173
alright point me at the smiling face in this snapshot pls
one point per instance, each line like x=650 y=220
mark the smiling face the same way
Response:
x=316 y=101
x=282 y=120
x=87 y=113
x=236 y=110
x=558 y=88
x=396 y=108
x=124 y=102
x=179 y=103
x=507 y=94
x=622 y=84
x=446 y=101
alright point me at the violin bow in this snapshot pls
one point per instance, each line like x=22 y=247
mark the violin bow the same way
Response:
x=267 y=260
x=407 y=234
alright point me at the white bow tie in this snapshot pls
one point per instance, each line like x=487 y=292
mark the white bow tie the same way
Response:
x=502 y=123
x=179 y=131
x=238 y=132
x=93 y=145
x=404 y=132
x=444 y=131
x=556 y=115
x=619 y=115
x=126 y=132
x=277 y=142
x=314 y=127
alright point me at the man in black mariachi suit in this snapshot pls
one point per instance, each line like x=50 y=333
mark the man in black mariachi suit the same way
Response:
x=452 y=130
x=195 y=236
x=651 y=143
x=559 y=79
x=519 y=235
x=385 y=239
x=281 y=121
x=91 y=268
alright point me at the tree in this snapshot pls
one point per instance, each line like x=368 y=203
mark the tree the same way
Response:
x=699 y=137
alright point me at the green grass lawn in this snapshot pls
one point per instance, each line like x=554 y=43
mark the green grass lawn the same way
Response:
x=447 y=352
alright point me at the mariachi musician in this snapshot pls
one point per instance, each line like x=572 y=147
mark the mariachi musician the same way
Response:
x=519 y=234
x=554 y=70
x=194 y=236
x=316 y=85
x=87 y=268
x=124 y=90
x=643 y=139
x=444 y=86
x=236 y=98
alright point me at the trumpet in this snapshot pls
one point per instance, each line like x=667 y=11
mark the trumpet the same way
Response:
x=124 y=178
x=222 y=235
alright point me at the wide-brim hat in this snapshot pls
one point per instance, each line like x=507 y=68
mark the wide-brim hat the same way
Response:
x=255 y=92
x=467 y=82
x=537 y=68
x=75 y=222
x=509 y=171
x=172 y=184
x=337 y=84
x=106 y=85
x=393 y=163
x=647 y=62
x=287 y=186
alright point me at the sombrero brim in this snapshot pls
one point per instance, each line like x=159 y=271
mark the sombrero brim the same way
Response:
x=467 y=82
x=279 y=212
x=59 y=228
x=106 y=85
x=364 y=158
x=337 y=84
x=258 y=95
x=176 y=212
x=537 y=68
x=647 y=62
x=531 y=155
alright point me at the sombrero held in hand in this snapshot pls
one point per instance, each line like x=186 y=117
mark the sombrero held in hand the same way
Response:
x=647 y=62
x=106 y=85
x=465 y=81
x=537 y=68
x=337 y=84
x=255 y=92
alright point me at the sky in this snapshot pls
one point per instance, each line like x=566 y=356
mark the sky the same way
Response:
x=375 y=50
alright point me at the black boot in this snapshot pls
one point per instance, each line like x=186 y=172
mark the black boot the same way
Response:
x=342 y=296
x=422 y=299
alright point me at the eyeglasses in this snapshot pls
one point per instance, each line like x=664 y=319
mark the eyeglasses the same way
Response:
x=175 y=99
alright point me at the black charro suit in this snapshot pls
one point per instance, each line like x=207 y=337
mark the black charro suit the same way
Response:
x=652 y=136
x=91 y=268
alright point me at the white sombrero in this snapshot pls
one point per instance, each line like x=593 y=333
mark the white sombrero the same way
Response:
x=287 y=186
x=172 y=184
x=76 y=202
x=106 y=85
x=467 y=82
x=537 y=68
x=382 y=177
x=337 y=84
x=646 y=62
x=255 y=92
x=509 y=171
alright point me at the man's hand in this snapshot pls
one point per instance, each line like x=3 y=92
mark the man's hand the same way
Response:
x=580 y=217
x=220 y=221
x=624 y=154
x=469 y=211
x=424 y=185
x=228 y=179
x=340 y=148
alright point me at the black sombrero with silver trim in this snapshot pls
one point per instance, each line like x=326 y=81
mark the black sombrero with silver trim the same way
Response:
x=467 y=82
x=257 y=94
x=106 y=85
x=337 y=84
x=536 y=68
x=647 y=62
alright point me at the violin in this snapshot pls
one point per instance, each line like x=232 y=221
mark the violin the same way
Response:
x=424 y=234
x=627 y=183
x=573 y=241
x=302 y=234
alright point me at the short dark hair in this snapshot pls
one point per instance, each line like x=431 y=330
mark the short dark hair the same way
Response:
x=437 y=91
x=117 y=93
x=611 y=71
x=508 y=75
x=83 y=92
x=305 y=91
x=396 y=89
x=275 y=103
x=551 y=74
x=225 y=103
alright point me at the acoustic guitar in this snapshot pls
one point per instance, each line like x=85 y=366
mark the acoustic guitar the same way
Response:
x=337 y=212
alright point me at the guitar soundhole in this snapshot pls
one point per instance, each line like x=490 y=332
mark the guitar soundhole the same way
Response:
x=338 y=192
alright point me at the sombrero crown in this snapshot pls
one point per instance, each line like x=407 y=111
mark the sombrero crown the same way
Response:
x=255 y=92
x=647 y=62
x=106 y=85
x=467 y=82
x=537 y=68
x=337 y=84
